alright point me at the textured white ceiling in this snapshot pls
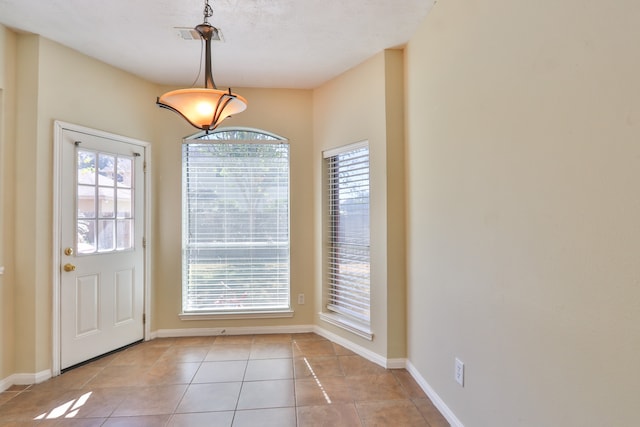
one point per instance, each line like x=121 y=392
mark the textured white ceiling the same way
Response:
x=267 y=43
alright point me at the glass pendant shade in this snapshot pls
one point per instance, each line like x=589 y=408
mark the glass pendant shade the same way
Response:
x=204 y=108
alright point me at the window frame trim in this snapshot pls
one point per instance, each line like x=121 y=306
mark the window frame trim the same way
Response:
x=345 y=148
x=247 y=313
x=240 y=314
x=345 y=322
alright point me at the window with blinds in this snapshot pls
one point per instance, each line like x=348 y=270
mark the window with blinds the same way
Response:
x=347 y=259
x=235 y=223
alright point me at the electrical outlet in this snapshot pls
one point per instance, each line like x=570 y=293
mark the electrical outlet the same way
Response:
x=459 y=372
x=301 y=299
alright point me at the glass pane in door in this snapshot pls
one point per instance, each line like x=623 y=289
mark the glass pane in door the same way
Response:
x=86 y=236
x=106 y=236
x=124 y=234
x=124 y=203
x=125 y=169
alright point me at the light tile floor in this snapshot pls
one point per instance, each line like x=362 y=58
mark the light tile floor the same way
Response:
x=254 y=381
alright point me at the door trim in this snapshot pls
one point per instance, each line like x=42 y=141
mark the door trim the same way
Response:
x=59 y=128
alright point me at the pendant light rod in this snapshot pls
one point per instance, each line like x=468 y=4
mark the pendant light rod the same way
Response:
x=207 y=31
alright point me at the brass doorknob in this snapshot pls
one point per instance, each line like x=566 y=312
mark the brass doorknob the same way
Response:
x=69 y=267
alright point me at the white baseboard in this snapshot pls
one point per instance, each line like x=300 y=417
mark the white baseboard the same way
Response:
x=296 y=329
x=24 y=379
x=249 y=330
x=396 y=363
x=37 y=378
x=6 y=383
x=359 y=350
x=437 y=401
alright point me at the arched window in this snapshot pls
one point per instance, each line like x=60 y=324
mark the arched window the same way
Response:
x=235 y=186
x=237 y=134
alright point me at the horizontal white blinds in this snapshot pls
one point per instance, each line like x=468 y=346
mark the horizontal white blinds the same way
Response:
x=348 y=233
x=235 y=226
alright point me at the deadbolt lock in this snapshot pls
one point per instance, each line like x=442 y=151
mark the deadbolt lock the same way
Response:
x=68 y=251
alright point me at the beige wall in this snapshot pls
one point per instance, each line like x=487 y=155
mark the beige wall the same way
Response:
x=27 y=161
x=523 y=231
x=284 y=112
x=396 y=205
x=357 y=106
x=7 y=171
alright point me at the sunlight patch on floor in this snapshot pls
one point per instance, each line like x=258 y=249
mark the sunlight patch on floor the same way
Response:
x=315 y=377
x=67 y=410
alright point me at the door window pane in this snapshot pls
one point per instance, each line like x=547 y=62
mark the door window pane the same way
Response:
x=86 y=167
x=106 y=169
x=86 y=201
x=86 y=236
x=106 y=235
x=124 y=172
x=124 y=203
x=107 y=202
x=124 y=234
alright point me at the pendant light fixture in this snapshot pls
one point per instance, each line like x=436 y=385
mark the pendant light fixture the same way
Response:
x=204 y=108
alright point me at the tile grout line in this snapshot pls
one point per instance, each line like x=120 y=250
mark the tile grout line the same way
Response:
x=235 y=410
x=295 y=395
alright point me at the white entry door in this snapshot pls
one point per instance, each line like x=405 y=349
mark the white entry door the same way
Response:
x=101 y=239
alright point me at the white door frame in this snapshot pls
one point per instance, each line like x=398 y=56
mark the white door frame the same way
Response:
x=59 y=128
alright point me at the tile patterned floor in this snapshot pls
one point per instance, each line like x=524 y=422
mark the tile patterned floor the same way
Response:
x=278 y=380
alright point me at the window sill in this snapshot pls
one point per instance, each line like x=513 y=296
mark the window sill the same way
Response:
x=348 y=325
x=237 y=315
